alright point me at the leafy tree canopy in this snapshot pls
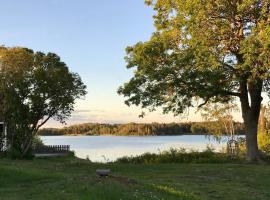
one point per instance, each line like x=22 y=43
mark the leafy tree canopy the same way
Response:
x=214 y=51
x=200 y=49
x=35 y=87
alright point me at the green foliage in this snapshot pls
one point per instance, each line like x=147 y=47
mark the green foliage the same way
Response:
x=37 y=141
x=197 y=128
x=222 y=113
x=35 y=87
x=215 y=128
x=203 y=128
x=264 y=130
x=179 y=156
x=199 y=50
x=264 y=142
x=203 y=51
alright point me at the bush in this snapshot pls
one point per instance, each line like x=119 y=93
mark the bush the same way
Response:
x=15 y=154
x=264 y=141
x=179 y=156
x=37 y=142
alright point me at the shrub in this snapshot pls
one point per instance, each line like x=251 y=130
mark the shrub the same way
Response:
x=264 y=141
x=179 y=156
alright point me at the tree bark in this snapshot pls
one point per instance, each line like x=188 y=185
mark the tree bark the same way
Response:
x=250 y=113
x=251 y=127
x=27 y=147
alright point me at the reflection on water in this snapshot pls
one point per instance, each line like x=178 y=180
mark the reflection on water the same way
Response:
x=109 y=148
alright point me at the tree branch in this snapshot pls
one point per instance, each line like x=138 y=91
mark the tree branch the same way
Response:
x=229 y=93
x=204 y=103
x=42 y=123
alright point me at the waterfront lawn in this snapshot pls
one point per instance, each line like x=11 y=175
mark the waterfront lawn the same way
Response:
x=71 y=178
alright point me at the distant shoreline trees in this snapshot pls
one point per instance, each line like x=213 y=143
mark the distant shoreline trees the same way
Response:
x=152 y=129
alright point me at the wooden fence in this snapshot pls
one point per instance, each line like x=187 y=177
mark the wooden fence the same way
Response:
x=51 y=149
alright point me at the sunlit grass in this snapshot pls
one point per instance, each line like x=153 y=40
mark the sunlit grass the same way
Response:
x=71 y=178
x=177 y=193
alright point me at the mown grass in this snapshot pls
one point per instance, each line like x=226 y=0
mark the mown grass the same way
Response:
x=71 y=178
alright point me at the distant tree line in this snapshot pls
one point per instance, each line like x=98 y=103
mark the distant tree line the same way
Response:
x=203 y=128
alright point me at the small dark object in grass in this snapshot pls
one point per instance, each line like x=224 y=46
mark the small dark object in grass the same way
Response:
x=103 y=172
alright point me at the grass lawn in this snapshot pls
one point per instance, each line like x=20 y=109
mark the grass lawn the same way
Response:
x=70 y=178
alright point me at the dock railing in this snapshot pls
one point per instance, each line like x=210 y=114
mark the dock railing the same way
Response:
x=49 y=149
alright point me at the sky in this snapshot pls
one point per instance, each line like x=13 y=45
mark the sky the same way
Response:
x=90 y=36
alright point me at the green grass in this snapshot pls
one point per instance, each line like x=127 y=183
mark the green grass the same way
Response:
x=70 y=178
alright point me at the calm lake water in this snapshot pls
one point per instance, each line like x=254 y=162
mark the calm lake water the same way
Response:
x=109 y=148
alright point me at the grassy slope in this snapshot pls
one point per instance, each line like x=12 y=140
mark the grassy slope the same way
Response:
x=69 y=178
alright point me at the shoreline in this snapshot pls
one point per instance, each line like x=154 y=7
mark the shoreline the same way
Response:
x=206 y=135
x=123 y=135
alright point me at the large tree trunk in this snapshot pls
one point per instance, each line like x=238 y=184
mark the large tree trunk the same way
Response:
x=251 y=127
x=251 y=104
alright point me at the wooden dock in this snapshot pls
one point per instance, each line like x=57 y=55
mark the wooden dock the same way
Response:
x=51 y=150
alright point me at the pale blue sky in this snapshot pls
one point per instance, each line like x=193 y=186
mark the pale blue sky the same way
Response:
x=91 y=37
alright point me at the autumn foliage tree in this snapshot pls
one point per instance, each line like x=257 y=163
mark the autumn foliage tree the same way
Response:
x=214 y=51
x=222 y=114
x=264 y=132
x=35 y=88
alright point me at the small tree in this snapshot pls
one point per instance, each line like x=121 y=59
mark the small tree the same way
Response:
x=36 y=87
x=221 y=113
x=264 y=134
x=212 y=50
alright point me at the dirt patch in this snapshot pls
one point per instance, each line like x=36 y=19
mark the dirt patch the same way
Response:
x=124 y=180
x=120 y=179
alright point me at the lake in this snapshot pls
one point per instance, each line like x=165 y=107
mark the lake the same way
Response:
x=109 y=148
